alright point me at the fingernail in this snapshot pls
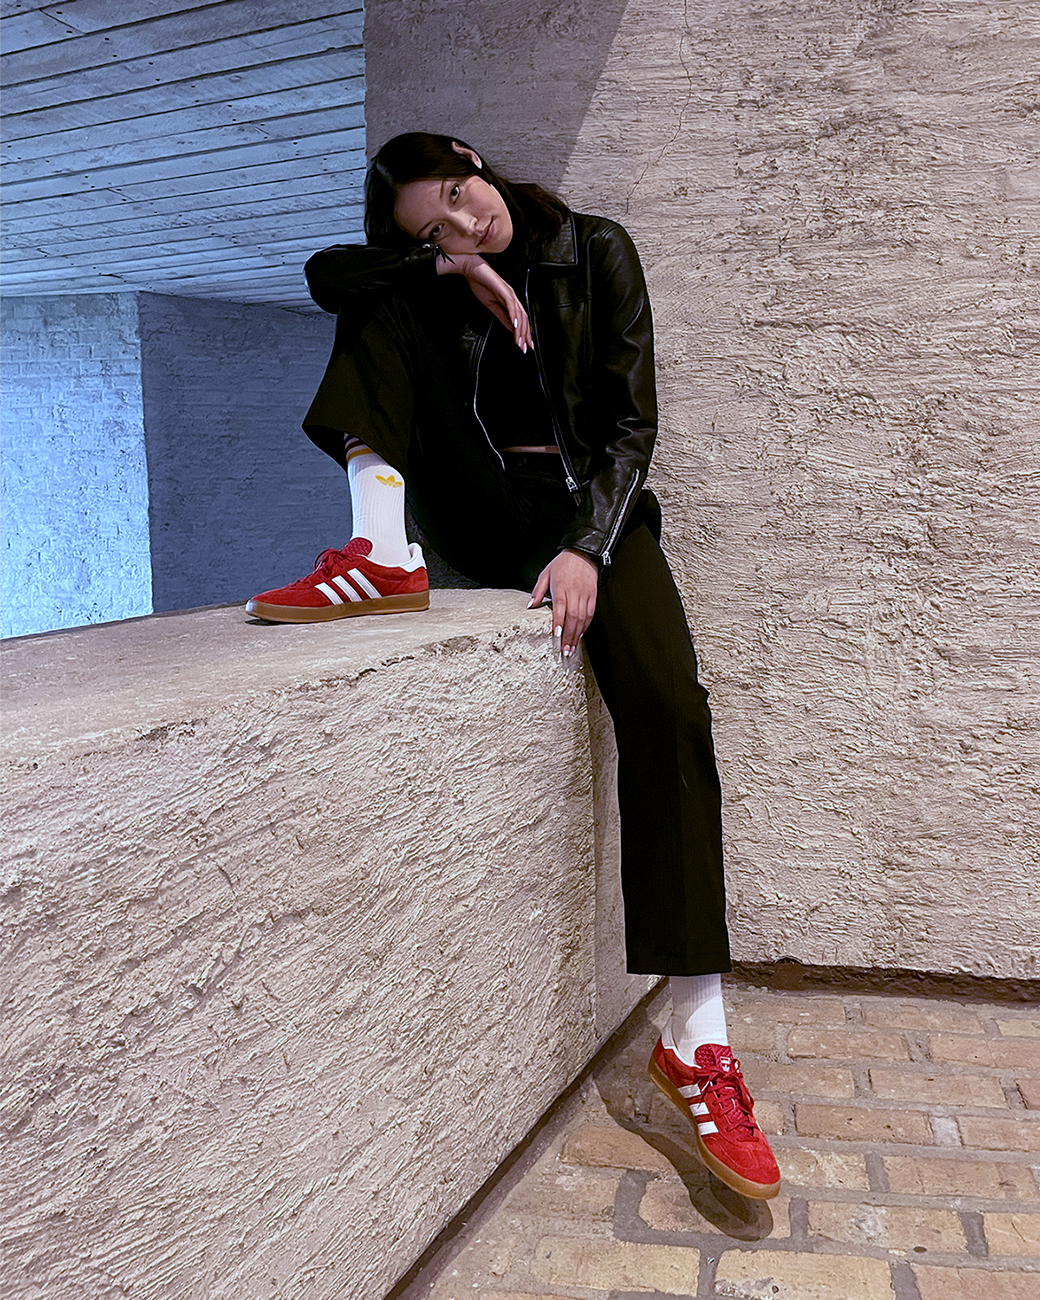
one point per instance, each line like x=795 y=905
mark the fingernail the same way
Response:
x=530 y=604
x=568 y=650
x=516 y=322
x=558 y=632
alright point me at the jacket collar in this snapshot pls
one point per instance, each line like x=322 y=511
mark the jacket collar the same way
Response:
x=561 y=250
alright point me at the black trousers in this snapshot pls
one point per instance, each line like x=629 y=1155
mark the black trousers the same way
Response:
x=393 y=384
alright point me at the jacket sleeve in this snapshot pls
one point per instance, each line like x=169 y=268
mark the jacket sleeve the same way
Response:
x=348 y=272
x=621 y=390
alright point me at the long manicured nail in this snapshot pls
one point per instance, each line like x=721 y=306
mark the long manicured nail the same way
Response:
x=568 y=650
x=558 y=632
x=516 y=322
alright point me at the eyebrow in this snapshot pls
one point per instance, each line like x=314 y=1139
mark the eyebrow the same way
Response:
x=422 y=229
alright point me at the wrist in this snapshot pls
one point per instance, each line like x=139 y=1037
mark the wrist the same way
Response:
x=582 y=555
x=466 y=264
x=442 y=262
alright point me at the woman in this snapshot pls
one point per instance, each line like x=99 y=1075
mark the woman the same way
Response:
x=494 y=350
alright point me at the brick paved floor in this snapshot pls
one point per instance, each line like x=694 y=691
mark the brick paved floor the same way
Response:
x=907 y=1130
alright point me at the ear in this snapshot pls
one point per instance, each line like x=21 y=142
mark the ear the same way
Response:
x=467 y=153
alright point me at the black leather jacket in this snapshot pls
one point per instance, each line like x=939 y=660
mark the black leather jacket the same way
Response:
x=593 y=333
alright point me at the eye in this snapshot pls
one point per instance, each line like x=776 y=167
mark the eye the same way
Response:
x=455 y=192
x=435 y=232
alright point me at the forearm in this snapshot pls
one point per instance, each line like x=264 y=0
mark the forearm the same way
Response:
x=337 y=274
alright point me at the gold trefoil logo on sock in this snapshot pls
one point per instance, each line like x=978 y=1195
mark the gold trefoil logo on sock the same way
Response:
x=390 y=481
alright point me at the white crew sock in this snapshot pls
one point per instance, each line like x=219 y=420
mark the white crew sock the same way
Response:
x=698 y=1016
x=377 y=504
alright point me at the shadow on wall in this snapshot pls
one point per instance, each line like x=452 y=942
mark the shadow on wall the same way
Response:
x=533 y=65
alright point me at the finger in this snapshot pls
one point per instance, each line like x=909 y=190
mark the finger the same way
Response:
x=579 y=626
x=541 y=588
x=590 y=613
x=520 y=328
x=559 y=620
x=509 y=313
x=572 y=629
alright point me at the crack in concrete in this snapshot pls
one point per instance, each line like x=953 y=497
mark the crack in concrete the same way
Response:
x=682 y=111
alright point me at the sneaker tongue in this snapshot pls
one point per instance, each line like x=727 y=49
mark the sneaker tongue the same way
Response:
x=356 y=549
x=731 y=1111
x=715 y=1056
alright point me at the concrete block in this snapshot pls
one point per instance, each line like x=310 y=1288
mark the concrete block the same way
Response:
x=300 y=938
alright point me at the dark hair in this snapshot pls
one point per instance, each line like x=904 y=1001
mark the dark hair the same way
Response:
x=418 y=156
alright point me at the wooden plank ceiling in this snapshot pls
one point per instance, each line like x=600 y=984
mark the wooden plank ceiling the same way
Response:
x=177 y=147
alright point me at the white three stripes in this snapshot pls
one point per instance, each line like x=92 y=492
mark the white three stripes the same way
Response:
x=351 y=593
x=361 y=581
x=698 y=1108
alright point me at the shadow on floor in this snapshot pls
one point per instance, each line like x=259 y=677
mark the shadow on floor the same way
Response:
x=635 y=1104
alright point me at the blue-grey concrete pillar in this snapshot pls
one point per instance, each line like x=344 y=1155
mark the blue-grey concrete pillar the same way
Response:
x=153 y=455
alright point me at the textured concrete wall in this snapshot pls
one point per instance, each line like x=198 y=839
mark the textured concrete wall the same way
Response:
x=240 y=499
x=301 y=932
x=75 y=486
x=836 y=206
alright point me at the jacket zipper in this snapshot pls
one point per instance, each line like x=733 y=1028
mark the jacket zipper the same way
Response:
x=572 y=482
x=612 y=536
x=476 y=380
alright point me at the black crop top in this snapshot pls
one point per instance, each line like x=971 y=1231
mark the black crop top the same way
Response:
x=510 y=399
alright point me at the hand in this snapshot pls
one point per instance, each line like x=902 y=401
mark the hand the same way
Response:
x=493 y=292
x=572 y=580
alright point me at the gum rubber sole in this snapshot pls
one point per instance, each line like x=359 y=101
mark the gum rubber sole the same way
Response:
x=409 y=602
x=756 y=1191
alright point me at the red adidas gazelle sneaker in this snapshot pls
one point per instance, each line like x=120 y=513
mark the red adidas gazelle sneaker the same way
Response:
x=713 y=1096
x=344 y=584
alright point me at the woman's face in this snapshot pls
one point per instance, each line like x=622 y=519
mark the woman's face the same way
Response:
x=462 y=214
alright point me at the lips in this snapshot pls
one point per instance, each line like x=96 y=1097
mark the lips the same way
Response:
x=487 y=233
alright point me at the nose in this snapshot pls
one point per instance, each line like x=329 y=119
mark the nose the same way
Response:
x=466 y=223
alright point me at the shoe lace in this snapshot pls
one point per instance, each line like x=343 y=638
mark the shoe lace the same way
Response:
x=726 y=1095
x=356 y=549
x=324 y=567
x=327 y=559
